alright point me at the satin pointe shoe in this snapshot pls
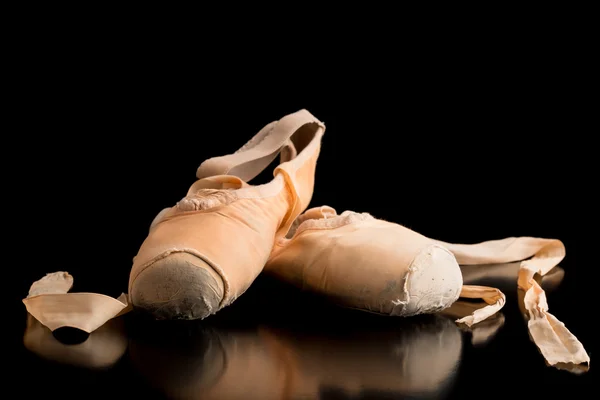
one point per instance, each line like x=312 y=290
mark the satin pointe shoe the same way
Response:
x=365 y=263
x=373 y=265
x=204 y=252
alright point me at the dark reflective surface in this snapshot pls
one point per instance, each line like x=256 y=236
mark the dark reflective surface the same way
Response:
x=278 y=343
x=419 y=358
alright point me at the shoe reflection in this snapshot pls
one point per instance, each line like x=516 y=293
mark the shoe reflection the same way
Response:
x=98 y=350
x=417 y=356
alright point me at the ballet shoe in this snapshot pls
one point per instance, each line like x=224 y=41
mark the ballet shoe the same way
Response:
x=204 y=252
x=365 y=263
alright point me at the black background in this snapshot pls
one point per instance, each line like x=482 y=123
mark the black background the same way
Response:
x=459 y=150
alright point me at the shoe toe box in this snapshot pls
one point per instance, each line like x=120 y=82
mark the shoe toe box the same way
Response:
x=434 y=282
x=178 y=286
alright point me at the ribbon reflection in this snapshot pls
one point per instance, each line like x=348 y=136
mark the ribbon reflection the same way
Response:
x=101 y=349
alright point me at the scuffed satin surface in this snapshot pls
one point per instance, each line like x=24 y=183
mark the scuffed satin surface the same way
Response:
x=358 y=261
x=235 y=240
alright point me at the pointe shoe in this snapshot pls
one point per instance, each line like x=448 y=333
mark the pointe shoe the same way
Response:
x=373 y=265
x=204 y=252
x=365 y=263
